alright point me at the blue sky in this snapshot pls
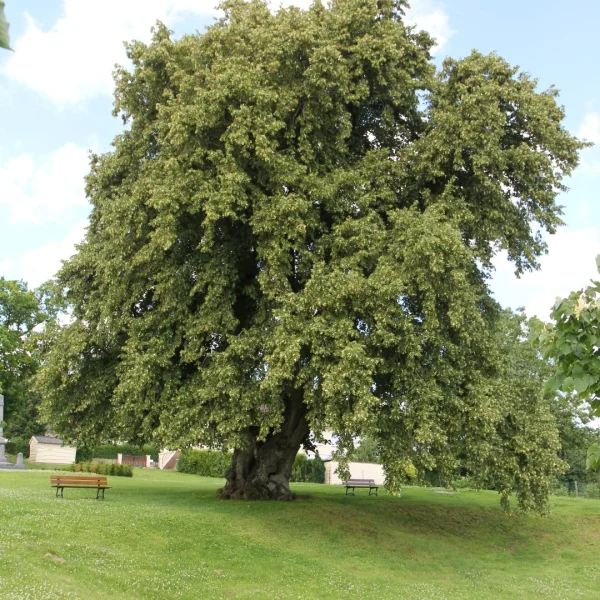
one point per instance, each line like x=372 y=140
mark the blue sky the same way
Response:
x=55 y=105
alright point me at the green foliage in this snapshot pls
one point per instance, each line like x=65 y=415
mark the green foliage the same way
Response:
x=21 y=312
x=593 y=457
x=102 y=469
x=110 y=451
x=559 y=488
x=521 y=437
x=308 y=470
x=575 y=437
x=463 y=483
x=592 y=490
x=18 y=444
x=303 y=210
x=204 y=462
x=367 y=451
x=4 y=39
x=571 y=341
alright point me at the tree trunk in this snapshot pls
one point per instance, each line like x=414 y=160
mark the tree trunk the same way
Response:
x=262 y=470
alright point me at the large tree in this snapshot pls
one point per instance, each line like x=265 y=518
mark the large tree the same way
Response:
x=294 y=233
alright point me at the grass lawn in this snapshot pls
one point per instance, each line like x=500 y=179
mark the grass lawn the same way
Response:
x=163 y=535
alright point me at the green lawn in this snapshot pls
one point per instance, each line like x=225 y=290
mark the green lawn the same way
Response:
x=164 y=535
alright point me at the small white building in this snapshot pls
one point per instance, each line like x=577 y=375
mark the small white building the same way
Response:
x=47 y=449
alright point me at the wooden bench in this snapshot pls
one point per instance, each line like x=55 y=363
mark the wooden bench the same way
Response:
x=60 y=482
x=360 y=483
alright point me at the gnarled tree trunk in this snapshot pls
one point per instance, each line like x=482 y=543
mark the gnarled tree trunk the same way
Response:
x=262 y=470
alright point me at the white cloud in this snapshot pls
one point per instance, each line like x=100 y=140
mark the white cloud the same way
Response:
x=590 y=128
x=568 y=266
x=74 y=59
x=588 y=167
x=429 y=16
x=40 y=264
x=46 y=192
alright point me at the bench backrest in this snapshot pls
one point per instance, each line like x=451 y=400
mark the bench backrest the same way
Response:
x=74 y=480
x=360 y=482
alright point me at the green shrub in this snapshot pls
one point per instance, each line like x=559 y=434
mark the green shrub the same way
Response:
x=557 y=488
x=308 y=470
x=207 y=463
x=103 y=469
x=592 y=490
x=462 y=483
x=16 y=445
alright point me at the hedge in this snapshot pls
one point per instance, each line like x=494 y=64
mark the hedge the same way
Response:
x=207 y=463
x=308 y=470
x=103 y=469
x=110 y=451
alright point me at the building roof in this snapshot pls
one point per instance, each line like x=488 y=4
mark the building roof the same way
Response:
x=45 y=439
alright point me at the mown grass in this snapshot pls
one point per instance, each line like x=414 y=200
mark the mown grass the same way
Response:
x=165 y=535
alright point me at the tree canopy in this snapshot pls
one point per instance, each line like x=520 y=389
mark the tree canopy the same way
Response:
x=294 y=232
x=21 y=312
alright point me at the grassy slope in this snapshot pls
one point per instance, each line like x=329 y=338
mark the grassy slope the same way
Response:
x=164 y=535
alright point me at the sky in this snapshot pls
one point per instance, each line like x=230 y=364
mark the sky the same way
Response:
x=56 y=106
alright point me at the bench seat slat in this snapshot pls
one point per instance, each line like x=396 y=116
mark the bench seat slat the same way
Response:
x=81 y=479
x=359 y=482
x=72 y=485
x=78 y=477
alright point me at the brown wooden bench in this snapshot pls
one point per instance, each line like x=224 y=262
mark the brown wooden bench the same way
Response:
x=360 y=483
x=60 y=482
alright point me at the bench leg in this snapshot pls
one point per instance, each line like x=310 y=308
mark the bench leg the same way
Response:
x=98 y=493
x=61 y=491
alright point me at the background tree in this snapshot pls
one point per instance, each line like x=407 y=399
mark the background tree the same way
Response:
x=21 y=312
x=573 y=418
x=366 y=451
x=572 y=342
x=294 y=234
